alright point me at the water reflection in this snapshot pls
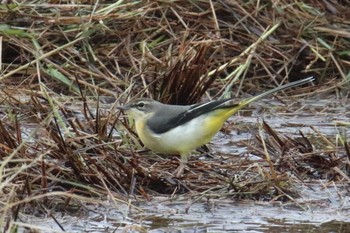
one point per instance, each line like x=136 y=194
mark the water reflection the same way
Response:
x=321 y=208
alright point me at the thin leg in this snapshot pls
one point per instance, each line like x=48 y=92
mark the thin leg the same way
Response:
x=180 y=169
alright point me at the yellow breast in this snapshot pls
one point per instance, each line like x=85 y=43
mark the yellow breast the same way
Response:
x=183 y=138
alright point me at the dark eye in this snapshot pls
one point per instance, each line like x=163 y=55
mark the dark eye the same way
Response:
x=141 y=105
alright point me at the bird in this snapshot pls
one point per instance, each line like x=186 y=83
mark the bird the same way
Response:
x=180 y=129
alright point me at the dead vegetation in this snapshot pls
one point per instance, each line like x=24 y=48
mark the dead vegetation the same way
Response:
x=64 y=65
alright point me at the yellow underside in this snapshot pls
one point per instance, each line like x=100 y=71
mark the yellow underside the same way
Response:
x=188 y=137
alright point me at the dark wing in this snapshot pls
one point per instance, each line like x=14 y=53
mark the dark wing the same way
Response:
x=184 y=114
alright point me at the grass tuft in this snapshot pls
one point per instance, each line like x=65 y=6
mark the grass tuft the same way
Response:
x=64 y=66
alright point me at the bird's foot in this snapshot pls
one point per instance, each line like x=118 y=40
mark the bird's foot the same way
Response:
x=179 y=170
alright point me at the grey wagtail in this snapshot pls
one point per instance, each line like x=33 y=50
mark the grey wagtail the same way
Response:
x=180 y=129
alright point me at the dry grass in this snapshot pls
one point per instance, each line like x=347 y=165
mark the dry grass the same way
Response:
x=63 y=65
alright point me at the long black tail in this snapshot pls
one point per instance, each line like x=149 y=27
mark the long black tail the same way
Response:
x=243 y=103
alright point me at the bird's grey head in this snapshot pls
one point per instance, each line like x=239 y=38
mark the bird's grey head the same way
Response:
x=142 y=107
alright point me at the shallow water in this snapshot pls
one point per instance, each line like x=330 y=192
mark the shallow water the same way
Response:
x=320 y=210
x=322 y=207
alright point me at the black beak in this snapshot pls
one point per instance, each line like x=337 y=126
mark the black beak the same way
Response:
x=125 y=107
